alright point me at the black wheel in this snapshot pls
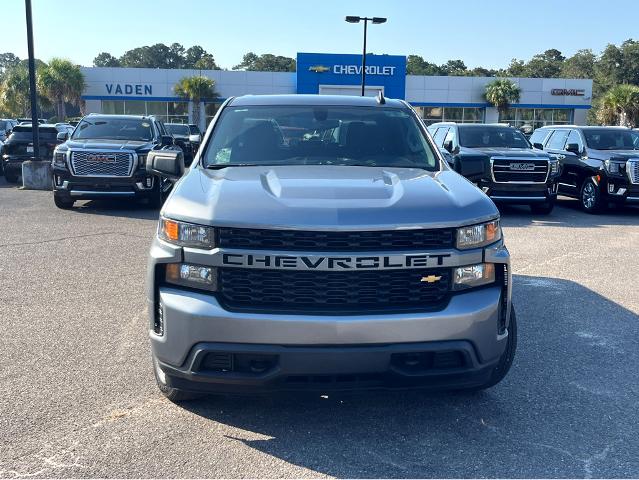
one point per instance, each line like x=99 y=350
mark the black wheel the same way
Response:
x=506 y=360
x=156 y=196
x=542 y=208
x=590 y=197
x=11 y=176
x=171 y=393
x=62 y=202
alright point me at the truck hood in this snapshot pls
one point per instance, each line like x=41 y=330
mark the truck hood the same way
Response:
x=104 y=144
x=327 y=198
x=527 y=153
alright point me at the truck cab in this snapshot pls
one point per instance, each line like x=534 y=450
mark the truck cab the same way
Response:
x=513 y=171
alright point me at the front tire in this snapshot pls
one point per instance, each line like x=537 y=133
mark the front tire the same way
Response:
x=590 y=197
x=173 y=394
x=11 y=176
x=63 y=203
x=542 y=208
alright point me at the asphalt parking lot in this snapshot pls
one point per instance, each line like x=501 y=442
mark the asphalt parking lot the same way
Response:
x=79 y=400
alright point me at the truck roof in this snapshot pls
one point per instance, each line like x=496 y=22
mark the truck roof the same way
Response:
x=302 y=99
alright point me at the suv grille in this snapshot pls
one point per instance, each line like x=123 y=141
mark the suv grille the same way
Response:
x=101 y=164
x=519 y=170
x=320 y=292
x=296 y=240
x=632 y=166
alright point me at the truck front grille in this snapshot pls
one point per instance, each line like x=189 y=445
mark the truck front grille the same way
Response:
x=632 y=166
x=101 y=164
x=321 y=292
x=519 y=170
x=297 y=240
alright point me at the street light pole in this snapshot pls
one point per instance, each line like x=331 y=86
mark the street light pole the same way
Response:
x=376 y=20
x=32 y=82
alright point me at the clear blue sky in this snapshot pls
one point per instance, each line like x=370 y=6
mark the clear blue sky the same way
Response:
x=480 y=32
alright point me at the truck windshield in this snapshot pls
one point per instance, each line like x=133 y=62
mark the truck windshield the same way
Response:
x=611 y=139
x=114 y=129
x=318 y=135
x=177 y=129
x=488 y=136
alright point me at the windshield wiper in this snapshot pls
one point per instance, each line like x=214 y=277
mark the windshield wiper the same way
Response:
x=219 y=166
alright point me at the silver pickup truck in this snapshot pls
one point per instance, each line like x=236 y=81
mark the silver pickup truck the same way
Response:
x=322 y=243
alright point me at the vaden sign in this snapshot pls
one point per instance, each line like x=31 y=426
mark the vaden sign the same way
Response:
x=129 y=89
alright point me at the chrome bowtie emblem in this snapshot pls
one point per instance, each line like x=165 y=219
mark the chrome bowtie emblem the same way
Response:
x=431 y=279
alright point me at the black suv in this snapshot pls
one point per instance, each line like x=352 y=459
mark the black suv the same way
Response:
x=19 y=146
x=105 y=157
x=600 y=165
x=513 y=171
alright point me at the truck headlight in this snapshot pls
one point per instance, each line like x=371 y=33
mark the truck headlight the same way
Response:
x=60 y=159
x=614 y=168
x=554 y=167
x=186 y=234
x=189 y=275
x=479 y=235
x=473 y=276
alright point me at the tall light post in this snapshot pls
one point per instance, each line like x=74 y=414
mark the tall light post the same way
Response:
x=375 y=20
x=32 y=82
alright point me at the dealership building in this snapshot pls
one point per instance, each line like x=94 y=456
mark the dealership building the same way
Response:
x=145 y=91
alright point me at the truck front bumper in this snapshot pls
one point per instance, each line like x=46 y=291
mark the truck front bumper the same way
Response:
x=67 y=186
x=524 y=194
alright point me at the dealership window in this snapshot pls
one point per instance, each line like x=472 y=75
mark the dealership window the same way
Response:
x=451 y=114
x=168 y=112
x=529 y=119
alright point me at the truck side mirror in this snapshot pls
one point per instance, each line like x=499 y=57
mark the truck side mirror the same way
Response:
x=538 y=146
x=471 y=168
x=167 y=163
x=573 y=148
x=62 y=136
x=167 y=140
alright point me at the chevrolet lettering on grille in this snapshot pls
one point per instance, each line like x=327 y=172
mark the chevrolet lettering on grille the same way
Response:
x=522 y=166
x=101 y=158
x=316 y=262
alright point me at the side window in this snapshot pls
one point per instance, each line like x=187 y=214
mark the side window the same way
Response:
x=539 y=136
x=558 y=140
x=574 y=137
x=439 y=135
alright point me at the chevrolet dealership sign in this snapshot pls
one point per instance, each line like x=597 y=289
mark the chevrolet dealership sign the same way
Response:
x=357 y=70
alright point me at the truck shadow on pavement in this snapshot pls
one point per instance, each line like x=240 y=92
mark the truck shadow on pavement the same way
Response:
x=568 y=213
x=568 y=408
x=117 y=208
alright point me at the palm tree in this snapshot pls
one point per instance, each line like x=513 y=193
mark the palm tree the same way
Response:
x=61 y=81
x=14 y=92
x=620 y=104
x=501 y=93
x=196 y=89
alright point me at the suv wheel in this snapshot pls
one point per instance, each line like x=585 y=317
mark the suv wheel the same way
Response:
x=171 y=393
x=11 y=176
x=590 y=197
x=506 y=359
x=542 y=208
x=63 y=203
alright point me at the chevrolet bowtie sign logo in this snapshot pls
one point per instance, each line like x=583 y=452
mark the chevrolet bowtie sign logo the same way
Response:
x=318 y=69
x=431 y=279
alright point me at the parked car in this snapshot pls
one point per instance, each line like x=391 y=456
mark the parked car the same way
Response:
x=514 y=172
x=105 y=157
x=19 y=147
x=346 y=256
x=182 y=134
x=600 y=165
x=6 y=125
x=24 y=121
x=195 y=137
